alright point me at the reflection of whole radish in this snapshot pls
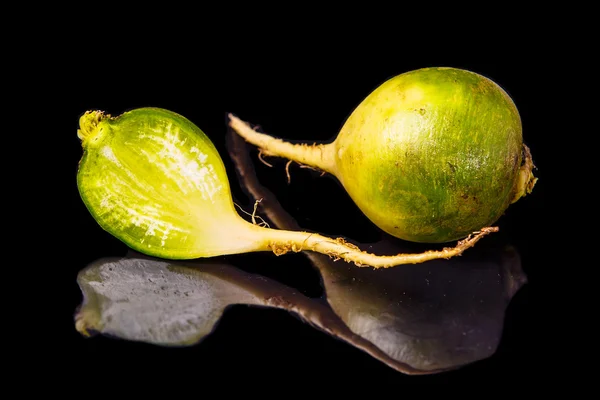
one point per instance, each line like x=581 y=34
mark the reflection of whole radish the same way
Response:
x=429 y=156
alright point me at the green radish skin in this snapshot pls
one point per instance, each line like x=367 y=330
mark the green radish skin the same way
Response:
x=431 y=155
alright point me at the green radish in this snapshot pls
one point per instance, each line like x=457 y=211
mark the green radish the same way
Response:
x=431 y=155
x=155 y=181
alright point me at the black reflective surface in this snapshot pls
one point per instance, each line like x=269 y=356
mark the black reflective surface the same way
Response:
x=490 y=294
x=416 y=321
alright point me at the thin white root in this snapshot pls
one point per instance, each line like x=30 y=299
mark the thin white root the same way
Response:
x=317 y=156
x=287 y=171
x=260 y=157
x=262 y=223
x=313 y=168
x=285 y=241
x=254 y=216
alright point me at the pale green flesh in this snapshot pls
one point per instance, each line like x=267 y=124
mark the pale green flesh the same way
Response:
x=155 y=181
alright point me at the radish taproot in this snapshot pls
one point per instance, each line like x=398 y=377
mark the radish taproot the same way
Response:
x=431 y=155
x=154 y=180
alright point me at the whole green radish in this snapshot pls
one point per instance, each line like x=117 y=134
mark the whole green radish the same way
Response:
x=431 y=155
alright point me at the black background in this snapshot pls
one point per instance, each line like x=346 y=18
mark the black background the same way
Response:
x=299 y=88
